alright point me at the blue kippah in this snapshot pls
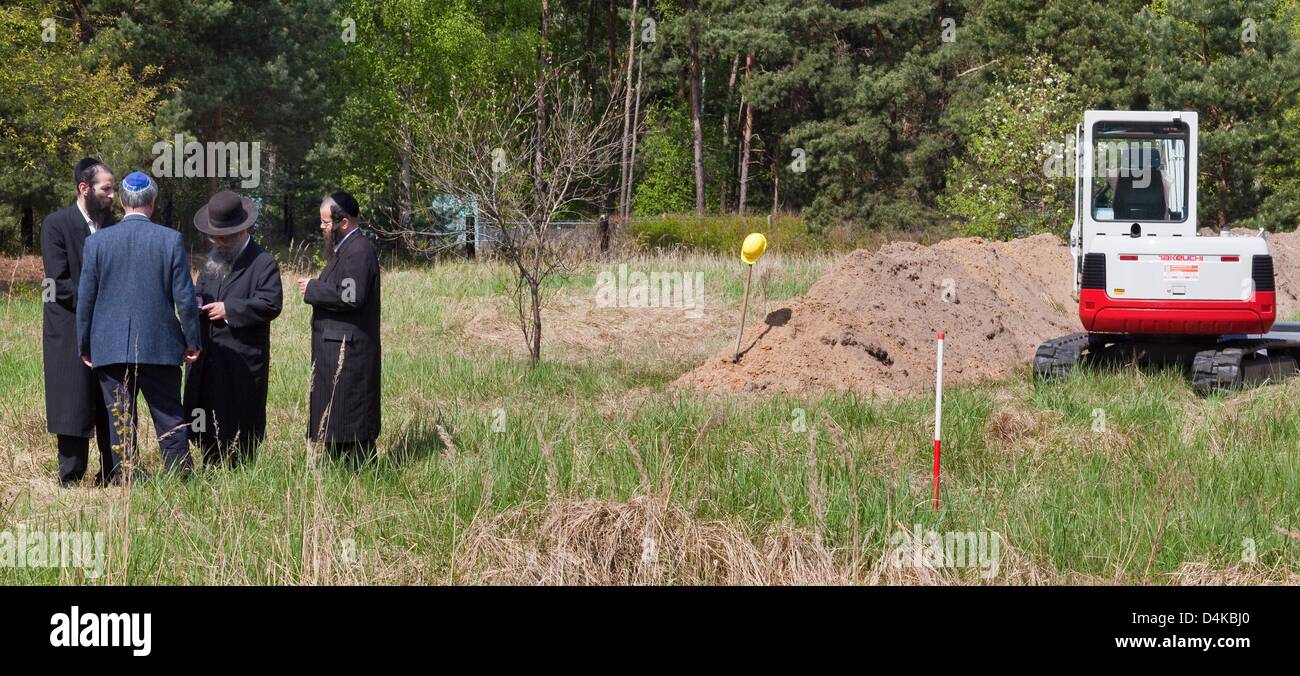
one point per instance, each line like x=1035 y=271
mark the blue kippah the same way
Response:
x=135 y=181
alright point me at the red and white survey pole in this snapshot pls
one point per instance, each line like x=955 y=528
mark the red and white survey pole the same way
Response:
x=938 y=415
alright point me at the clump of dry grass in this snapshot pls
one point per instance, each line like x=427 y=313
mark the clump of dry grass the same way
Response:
x=1193 y=573
x=896 y=566
x=645 y=540
x=1008 y=425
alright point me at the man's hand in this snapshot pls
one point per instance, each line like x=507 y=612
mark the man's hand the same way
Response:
x=191 y=356
x=302 y=285
x=85 y=359
x=215 y=311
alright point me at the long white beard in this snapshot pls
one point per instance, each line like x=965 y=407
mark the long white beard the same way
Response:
x=217 y=265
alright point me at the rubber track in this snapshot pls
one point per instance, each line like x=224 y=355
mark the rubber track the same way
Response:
x=1057 y=357
x=1220 y=369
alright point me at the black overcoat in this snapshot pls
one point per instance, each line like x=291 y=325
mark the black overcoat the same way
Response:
x=70 y=387
x=229 y=381
x=345 y=329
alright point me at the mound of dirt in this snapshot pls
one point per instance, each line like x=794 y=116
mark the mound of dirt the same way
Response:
x=1285 y=247
x=869 y=324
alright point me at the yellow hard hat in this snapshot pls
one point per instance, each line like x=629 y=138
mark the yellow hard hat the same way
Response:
x=754 y=246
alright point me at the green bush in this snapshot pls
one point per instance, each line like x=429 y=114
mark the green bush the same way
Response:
x=1000 y=187
x=667 y=184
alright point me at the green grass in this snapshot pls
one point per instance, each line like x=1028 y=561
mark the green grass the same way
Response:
x=1169 y=479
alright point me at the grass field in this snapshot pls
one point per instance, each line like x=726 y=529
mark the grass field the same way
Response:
x=593 y=468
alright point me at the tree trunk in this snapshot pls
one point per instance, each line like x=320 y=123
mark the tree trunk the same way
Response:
x=624 y=179
x=607 y=207
x=85 y=29
x=404 y=186
x=636 y=124
x=1222 y=216
x=214 y=136
x=535 y=300
x=611 y=44
x=746 y=134
x=543 y=65
x=776 y=183
x=288 y=217
x=724 y=193
x=28 y=228
x=697 y=132
x=588 y=46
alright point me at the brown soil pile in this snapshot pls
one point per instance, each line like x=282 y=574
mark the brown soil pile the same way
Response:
x=869 y=324
x=1285 y=248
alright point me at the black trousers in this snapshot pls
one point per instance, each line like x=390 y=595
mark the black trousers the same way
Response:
x=161 y=385
x=355 y=453
x=231 y=452
x=74 y=452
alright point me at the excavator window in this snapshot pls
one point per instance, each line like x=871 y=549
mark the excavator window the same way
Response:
x=1139 y=172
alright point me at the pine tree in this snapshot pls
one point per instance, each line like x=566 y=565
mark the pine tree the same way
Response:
x=1238 y=65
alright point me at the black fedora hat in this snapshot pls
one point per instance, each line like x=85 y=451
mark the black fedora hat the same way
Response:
x=225 y=214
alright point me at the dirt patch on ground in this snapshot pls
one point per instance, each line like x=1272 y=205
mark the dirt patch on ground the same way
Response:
x=869 y=325
x=22 y=270
x=577 y=330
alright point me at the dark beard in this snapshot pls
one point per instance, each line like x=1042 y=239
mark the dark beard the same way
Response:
x=332 y=237
x=217 y=265
x=101 y=215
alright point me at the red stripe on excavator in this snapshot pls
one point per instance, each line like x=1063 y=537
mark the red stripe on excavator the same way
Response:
x=1102 y=314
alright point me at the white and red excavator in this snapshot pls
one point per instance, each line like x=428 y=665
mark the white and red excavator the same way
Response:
x=1150 y=289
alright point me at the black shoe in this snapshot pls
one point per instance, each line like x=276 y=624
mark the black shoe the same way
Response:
x=137 y=476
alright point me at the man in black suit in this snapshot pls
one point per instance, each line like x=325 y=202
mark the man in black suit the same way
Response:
x=239 y=294
x=74 y=409
x=345 y=346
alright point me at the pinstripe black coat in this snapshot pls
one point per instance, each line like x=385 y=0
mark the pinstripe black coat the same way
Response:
x=345 y=346
x=70 y=387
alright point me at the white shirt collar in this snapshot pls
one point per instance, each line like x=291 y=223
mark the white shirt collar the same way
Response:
x=90 y=223
x=351 y=232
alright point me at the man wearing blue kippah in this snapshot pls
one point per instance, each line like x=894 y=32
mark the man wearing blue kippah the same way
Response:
x=135 y=282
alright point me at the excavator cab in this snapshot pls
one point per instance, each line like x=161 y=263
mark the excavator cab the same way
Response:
x=1146 y=283
x=1140 y=267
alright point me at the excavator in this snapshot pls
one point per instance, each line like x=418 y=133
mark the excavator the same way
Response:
x=1150 y=289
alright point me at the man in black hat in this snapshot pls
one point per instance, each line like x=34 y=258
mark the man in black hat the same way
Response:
x=74 y=409
x=239 y=294
x=345 y=347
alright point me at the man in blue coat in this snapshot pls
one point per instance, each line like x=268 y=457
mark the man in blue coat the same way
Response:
x=135 y=281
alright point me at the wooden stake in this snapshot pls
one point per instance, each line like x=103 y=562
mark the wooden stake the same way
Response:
x=744 y=310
